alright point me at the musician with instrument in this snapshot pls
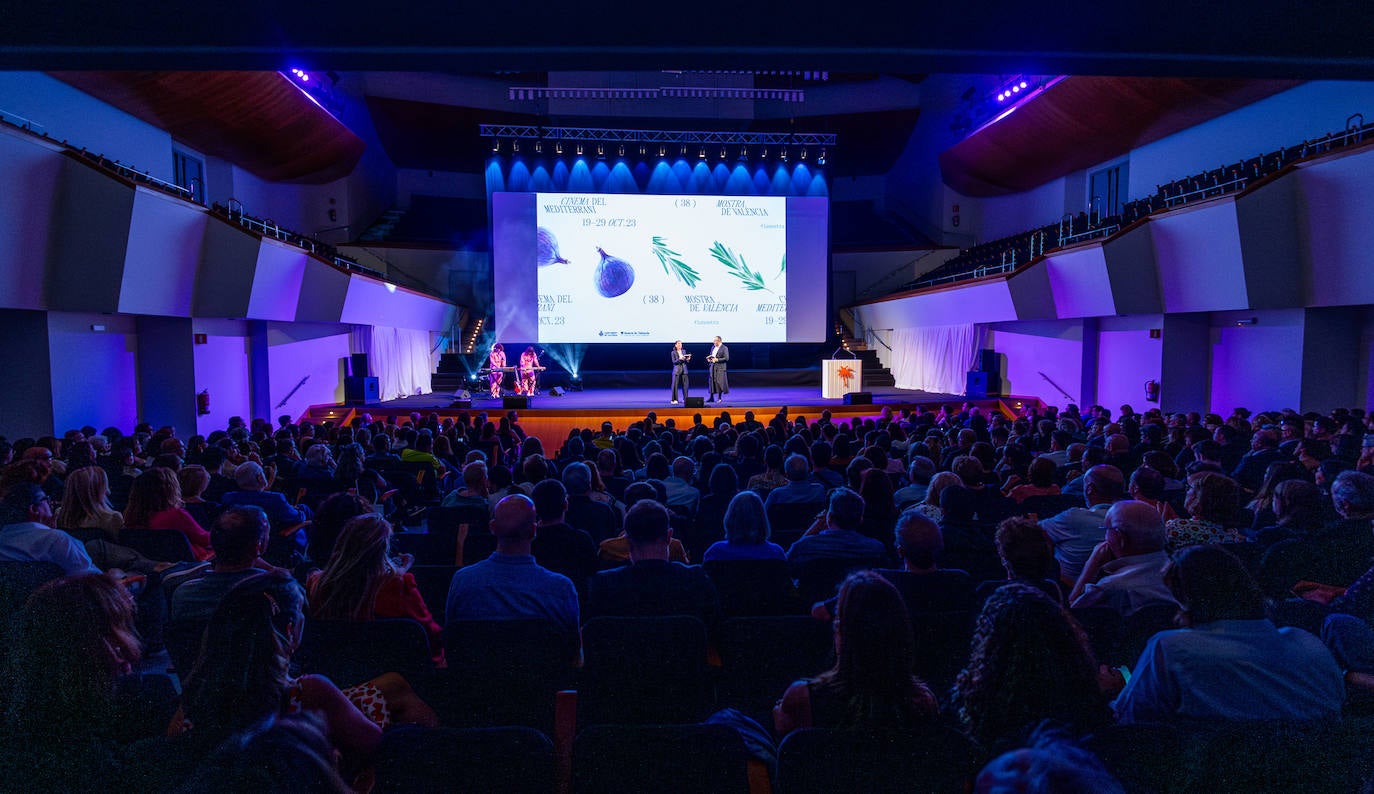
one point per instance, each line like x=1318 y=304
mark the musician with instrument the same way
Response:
x=496 y=363
x=527 y=376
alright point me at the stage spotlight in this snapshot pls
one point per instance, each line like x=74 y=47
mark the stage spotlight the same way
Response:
x=641 y=150
x=558 y=148
x=496 y=145
x=821 y=160
x=539 y=147
x=1001 y=97
x=764 y=155
x=783 y=155
x=722 y=152
x=622 y=150
x=1023 y=83
x=701 y=154
x=579 y=150
x=515 y=145
x=600 y=152
x=662 y=151
x=683 y=151
x=1016 y=89
x=803 y=153
x=743 y=154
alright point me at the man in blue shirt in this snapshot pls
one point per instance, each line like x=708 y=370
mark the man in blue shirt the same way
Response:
x=239 y=538
x=800 y=488
x=252 y=490
x=840 y=539
x=510 y=585
x=26 y=534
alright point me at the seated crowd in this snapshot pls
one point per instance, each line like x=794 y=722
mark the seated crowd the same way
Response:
x=209 y=611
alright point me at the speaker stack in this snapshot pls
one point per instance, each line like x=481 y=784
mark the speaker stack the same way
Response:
x=986 y=381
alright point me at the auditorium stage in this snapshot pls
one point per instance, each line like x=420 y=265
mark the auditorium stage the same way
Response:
x=551 y=418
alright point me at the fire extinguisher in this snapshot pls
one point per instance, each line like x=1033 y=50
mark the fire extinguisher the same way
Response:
x=203 y=403
x=1152 y=391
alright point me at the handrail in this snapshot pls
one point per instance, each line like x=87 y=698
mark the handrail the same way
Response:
x=874 y=287
x=1104 y=231
x=873 y=333
x=294 y=389
x=1057 y=387
x=1221 y=188
x=29 y=124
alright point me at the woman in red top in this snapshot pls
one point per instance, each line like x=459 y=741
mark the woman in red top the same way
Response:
x=155 y=503
x=362 y=582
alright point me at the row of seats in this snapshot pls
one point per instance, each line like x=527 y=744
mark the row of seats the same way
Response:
x=1020 y=248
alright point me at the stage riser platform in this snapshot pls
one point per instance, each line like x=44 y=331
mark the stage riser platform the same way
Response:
x=552 y=418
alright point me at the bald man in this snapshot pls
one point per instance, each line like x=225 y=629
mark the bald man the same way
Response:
x=1126 y=570
x=510 y=585
x=1077 y=531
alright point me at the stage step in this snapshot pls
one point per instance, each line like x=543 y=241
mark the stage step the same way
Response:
x=450 y=363
x=449 y=382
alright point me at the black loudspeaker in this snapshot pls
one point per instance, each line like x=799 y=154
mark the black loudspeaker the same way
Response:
x=515 y=402
x=462 y=394
x=976 y=386
x=557 y=391
x=357 y=365
x=859 y=398
x=695 y=402
x=359 y=390
x=987 y=361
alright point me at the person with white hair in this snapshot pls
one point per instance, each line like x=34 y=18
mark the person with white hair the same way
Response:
x=251 y=484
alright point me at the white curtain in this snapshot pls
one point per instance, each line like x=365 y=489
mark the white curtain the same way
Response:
x=399 y=357
x=936 y=358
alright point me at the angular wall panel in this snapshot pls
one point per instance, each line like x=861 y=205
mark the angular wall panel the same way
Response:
x=1080 y=284
x=31 y=172
x=277 y=282
x=90 y=237
x=166 y=237
x=1199 y=257
x=224 y=282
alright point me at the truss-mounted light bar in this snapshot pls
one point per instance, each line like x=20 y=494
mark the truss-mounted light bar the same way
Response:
x=675 y=137
x=522 y=93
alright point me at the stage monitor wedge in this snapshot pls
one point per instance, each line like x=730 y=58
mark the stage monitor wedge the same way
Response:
x=585 y=268
x=694 y=402
x=515 y=402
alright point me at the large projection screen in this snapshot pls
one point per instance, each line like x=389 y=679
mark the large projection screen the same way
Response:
x=585 y=268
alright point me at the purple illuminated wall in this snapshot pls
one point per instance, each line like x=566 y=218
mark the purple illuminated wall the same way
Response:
x=94 y=373
x=1054 y=348
x=222 y=369
x=294 y=354
x=1256 y=366
x=1126 y=358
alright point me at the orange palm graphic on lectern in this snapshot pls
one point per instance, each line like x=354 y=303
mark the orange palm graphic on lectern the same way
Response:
x=846 y=374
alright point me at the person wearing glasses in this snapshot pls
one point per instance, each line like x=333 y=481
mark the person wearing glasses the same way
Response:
x=26 y=533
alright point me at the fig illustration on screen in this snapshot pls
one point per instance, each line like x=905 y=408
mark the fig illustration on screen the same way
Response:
x=614 y=276
x=546 y=249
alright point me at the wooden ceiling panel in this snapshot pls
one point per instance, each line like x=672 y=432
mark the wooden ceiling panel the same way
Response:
x=259 y=121
x=1082 y=121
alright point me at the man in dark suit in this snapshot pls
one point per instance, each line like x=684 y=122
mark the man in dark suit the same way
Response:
x=720 y=356
x=651 y=586
x=679 y=359
x=1264 y=450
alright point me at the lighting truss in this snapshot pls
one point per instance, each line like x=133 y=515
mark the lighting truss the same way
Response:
x=678 y=137
x=666 y=92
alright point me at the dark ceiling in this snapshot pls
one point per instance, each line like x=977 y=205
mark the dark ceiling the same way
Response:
x=1250 y=38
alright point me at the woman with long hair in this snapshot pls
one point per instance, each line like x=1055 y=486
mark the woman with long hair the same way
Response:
x=880 y=509
x=871 y=686
x=155 y=503
x=194 y=479
x=1029 y=661
x=86 y=503
x=1262 y=505
x=242 y=675
x=930 y=506
x=362 y=582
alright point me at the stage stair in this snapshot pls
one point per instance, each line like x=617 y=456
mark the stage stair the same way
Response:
x=875 y=374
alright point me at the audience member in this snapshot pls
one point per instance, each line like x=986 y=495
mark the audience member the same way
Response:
x=1126 y=570
x=835 y=535
x=155 y=503
x=1029 y=662
x=361 y=581
x=651 y=584
x=239 y=538
x=871 y=686
x=1077 y=531
x=1229 y=663
x=26 y=533
x=510 y=585
x=747 y=531
x=558 y=546
x=1211 y=504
